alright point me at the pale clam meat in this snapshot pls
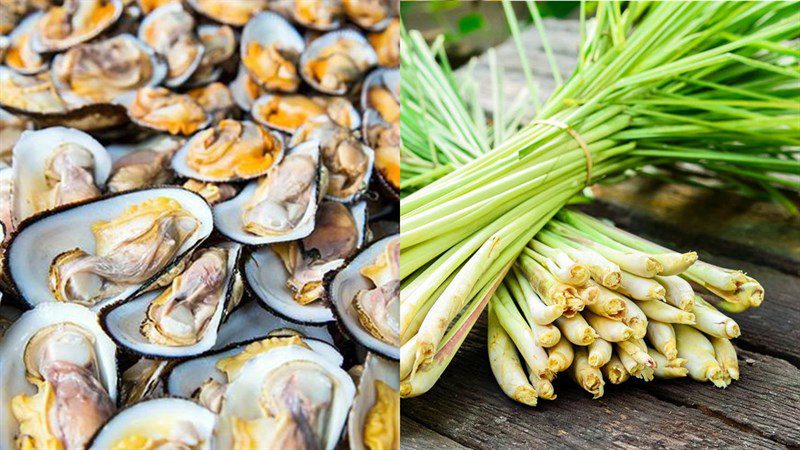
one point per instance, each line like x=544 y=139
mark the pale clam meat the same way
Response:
x=30 y=93
x=213 y=192
x=288 y=112
x=387 y=44
x=216 y=100
x=231 y=12
x=144 y=164
x=169 y=30
x=163 y=110
x=378 y=308
x=374 y=421
x=19 y=55
x=270 y=51
x=334 y=62
x=320 y=15
x=370 y=14
x=74 y=22
x=219 y=43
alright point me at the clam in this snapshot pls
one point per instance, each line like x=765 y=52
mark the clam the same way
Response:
x=280 y=206
x=169 y=30
x=55 y=167
x=347 y=160
x=101 y=71
x=287 y=112
x=270 y=49
x=380 y=100
x=59 y=378
x=365 y=294
x=387 y=44
x=182 y=319
x=74 y=22
x=335 y=61
x=288 y=277
x=230 y=151
x=143 y=380
x=232 y=12
x=321 y=15
x=216 y=100
x=147 y=6
x=258 y=404
x=106 y=250
x=369 y=14
x=144 y=164
x=200 y=378
x=11 y=128
x=374 y=420
x=162 y=110
x=213 y=192
x=245 y=91
x=219 y=43
x=160 y=423
x=19 y=55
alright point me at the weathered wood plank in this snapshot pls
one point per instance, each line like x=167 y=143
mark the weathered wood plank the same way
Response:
x=417 y=437
x=466 y=405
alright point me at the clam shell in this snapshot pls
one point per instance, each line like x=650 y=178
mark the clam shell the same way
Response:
x=122 y=321
x=259 y=6
x=240 y=92
x=26 y=26
x=342 y=290
x=354 y=116
x=267 y=28
x=366 y=55
x=375 y=368
x=12 y=370
x=286 y=8
x=155 y=419
x=253 y=321
x=152 y=20
x=378 y=26
x=386 y=77
x=41 y=45
x=228 y=215
x=266 y=277
x=40 y=239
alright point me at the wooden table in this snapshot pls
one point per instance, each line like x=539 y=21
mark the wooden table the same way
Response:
x=466 y=409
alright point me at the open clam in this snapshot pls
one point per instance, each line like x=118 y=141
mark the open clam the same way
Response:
x=231 y=151
x=374 y=421
x=380 y=100
x=57 y=166
x=169 y=30
x=369 y=14
x=387 y=44
x=183 y=318
x=160 y=423
x=335 y=61
x=365 y=294
x=162 y=110
x=108 y=249
x=270 y=50
x=232 y=12
x=280 y=206
x=245 y=91
x=320 y=15
x=74 y=22
x=288 y=277
x=59 y=378
x=288 y=112
x=19 y=55
x=216 y=100
x=219 y=42
x=144 y=164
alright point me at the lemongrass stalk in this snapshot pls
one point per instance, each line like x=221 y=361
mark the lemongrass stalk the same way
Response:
x=679 y=292
x=749 y=293
x=614 y=371
x=407 y=352
x=635 y=318
x=667 y=368
x=545 y=335
x=540 y=313
x=640 y=288
x=505 y=364
x=560 y=356
x=600 y=352
x=602 y=270
x=726 y=356
x=608 y=329
x=713 y=277
x=636 y=352
x=712 y=322
x=522 y=335
x=543 y=386
x=589 y=294
x=570 y=271
x=635 y=262
x=662 y=336
x=413 y=325
x=576 y=330
x=608 y=304
x=699 y=354
x=545 y=285
x=587 y=376
x=452 y=300
x=633 y=367
x=663 y=312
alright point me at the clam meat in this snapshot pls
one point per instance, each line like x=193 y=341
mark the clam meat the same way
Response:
x=213 y=192
x=387 y=44
x=231 y=12
x=378 y=308
x=162 y=110
x=315 y=14
x=216 y=100
x=370 y=14
x=270 y=51
x=30 y=93
x=129 y=249
x=74 y=22
x=335 y=61
x=288 y=112
x=19 y=55
x=146 y=164
x=169 y=30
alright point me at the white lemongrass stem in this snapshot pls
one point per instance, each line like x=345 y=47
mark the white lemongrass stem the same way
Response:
x=522 y=335
x=712 y=322
x=667 y=368
x=662 y=336
x=635 y=318
x=699 y=354
x=726 y=356
x=634 y=367
x=718 y=278
x=608 y=329
x=545 y=335
x=412 y=326
x=407 y=352
x=663 y=312
x=600 y=352
x=452 y=301
x=587 y=376
x=576 y=330
x=544 y=388
x=601 y=269
x=640 y=288
x=589 y=294
x=560 y=356
x=614 y=371
x=679 y=292
x=636 y=351
x=505 y=364
x=550 y=290
x=572 y=272
x=608 y=303
x=537 y=311
x=749 y=293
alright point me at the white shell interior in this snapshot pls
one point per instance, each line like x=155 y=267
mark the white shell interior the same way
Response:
x=239 y=91
x=343 y=289
x=36 y=245
x=390 y=78
x=330 y=38
x=123 y=322
x=375 y=368
x=188 y=376
x=12 y=368
x=266 y=275
x=228 y=215
x=156 y=419
x=152 y=20
x=31 y=153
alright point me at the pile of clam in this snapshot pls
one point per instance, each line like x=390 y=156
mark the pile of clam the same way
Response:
x=199 y=210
